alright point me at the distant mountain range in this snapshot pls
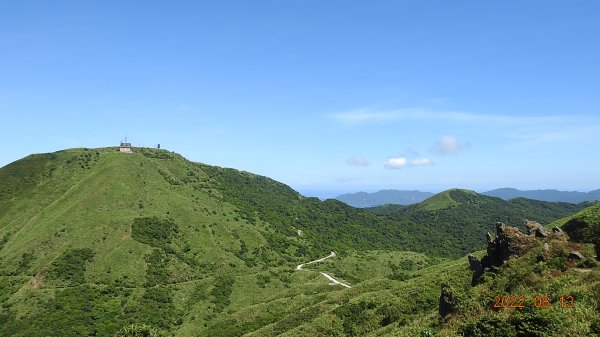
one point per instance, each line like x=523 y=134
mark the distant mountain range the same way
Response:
x=545 y=195
x=383 y=197
x=398 y=197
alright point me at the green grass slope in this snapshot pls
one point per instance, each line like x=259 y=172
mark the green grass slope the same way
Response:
x=93 y=240
x=466 y=216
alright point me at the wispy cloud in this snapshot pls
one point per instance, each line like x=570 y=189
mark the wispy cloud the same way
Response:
x=537 y=135
x=369 y=115
x=446 y=145
x=396 y=163
x=521 y=129
x=357 y=161
x=420 y=162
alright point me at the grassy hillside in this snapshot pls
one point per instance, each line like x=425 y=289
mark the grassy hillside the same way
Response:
x=93 y=240
x=467 y=216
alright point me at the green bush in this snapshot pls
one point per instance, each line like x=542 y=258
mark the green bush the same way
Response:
x=587 y=263
x=25 y=262
x=138 y=330
x=154 y=231
x=558 y=263
x=221 y=291
x=70 y=267
x=488 y=326
x=428 y=333
x=595 y=327
x=533 y=323
x=156 y=270
x=156 y=308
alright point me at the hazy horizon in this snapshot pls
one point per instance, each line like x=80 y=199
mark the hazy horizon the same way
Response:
x=323 y=194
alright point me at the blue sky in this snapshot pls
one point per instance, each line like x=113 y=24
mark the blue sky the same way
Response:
x=325 y=96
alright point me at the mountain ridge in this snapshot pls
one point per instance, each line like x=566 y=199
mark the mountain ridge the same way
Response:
x=398 y=197
x=409 y=197
x=552 y=195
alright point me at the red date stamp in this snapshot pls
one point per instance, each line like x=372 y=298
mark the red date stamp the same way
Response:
x=538 y=302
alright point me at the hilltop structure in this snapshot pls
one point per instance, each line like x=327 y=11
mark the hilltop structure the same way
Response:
x=125 y=147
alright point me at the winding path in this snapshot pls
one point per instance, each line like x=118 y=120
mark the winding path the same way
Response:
x=332 y=280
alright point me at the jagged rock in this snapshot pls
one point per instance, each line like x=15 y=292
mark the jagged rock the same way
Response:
x=447 y=301
x=575 y=255
x=559 y=234
x=509 y=242
x=545 y=252
x=535 y=229
x=476 y=267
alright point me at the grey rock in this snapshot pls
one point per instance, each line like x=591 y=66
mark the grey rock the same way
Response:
x=575 y=255
x=535 y=229
x=545 y=253
x=476 y=267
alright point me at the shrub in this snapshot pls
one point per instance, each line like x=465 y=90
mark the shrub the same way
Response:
x=221 y=291
x=153 y=231
x=428 y=333
x=533 y=323
x=156 y=271
x=70 y=266
x=595 y=327
x=25 y=262
x=488 y=326
x=138 y=330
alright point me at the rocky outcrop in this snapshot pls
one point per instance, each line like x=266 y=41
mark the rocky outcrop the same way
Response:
x=447 y=301
x=536 y=229
x=575 y=255
x=509 y=242
x=559 y=234
x=476 y=267
x=545 y=253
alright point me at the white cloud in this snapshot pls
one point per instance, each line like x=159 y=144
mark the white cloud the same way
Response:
x=396 y=163
x=446 y=145
x=420 y=162
x=357 y=161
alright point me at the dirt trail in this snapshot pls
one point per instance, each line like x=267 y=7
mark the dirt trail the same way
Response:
x=329 y=277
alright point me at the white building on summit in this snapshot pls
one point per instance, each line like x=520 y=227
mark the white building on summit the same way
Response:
x=125 y=147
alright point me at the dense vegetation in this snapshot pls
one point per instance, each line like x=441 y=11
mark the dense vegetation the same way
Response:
x=100 y=243
x=70 y=267
x=466 y=216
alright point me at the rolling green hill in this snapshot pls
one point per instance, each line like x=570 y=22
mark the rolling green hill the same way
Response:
x=93 y=240
x=467 y=216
